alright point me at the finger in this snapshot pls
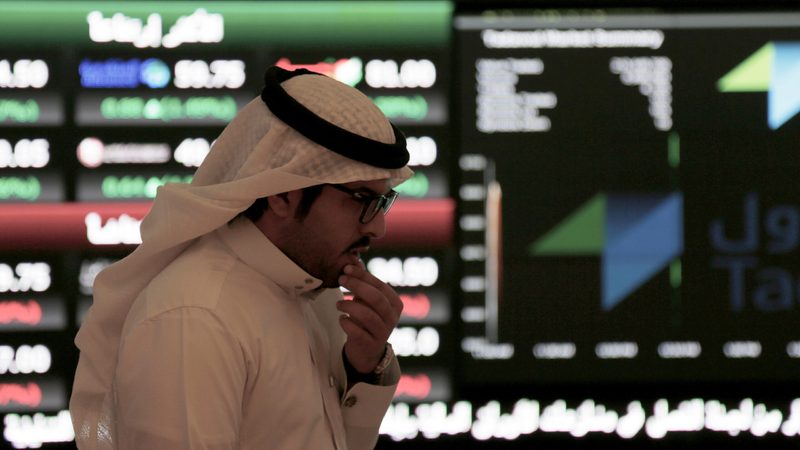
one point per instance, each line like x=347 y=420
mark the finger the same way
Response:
x=360 y=273
x=363 y=352
x=366 y=318
x=371 y=297
x=355 y=333
x=359 y=341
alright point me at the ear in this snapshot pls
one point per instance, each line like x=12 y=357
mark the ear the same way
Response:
x=285 y=204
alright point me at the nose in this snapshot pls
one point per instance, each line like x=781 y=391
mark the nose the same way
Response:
x=375 y=228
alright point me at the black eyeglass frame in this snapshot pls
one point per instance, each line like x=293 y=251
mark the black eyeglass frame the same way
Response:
x=371 y=203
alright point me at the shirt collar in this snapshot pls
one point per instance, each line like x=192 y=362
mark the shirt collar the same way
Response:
x=257 y=251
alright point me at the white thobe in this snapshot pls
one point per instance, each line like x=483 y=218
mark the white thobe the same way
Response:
x=233 y=346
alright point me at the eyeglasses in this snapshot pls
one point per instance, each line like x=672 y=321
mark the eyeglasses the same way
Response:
x=372 y=204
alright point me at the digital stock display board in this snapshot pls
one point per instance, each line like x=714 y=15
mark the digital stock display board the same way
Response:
x=599 y=243
x=629 y=214
x=103 y=102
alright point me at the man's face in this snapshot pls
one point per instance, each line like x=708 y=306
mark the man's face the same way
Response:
x=331 y=235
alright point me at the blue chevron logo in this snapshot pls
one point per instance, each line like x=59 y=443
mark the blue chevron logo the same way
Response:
x=636 y=235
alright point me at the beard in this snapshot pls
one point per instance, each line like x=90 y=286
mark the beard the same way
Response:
x=330 y=273
x=319 y=258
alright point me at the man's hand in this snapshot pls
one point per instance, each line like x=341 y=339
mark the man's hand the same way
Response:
x=369 y=318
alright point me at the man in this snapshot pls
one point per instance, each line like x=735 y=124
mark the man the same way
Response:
x=226 y=328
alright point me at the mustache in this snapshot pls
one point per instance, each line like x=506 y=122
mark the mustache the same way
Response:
x=363 y=242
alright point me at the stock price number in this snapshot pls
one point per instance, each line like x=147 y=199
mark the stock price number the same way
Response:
x=408 y=341
x=422 y=150
x=192 y=151
x=198 y=74
x=412 y=271
x=23 y=73
x=411 y=73
x=25 y=277
x=25 y=359
x=25 y=153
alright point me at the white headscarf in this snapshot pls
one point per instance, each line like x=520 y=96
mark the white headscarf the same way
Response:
x=257 y=155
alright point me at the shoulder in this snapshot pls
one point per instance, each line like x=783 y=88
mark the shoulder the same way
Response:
x=209 y=277
x=194 y=279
